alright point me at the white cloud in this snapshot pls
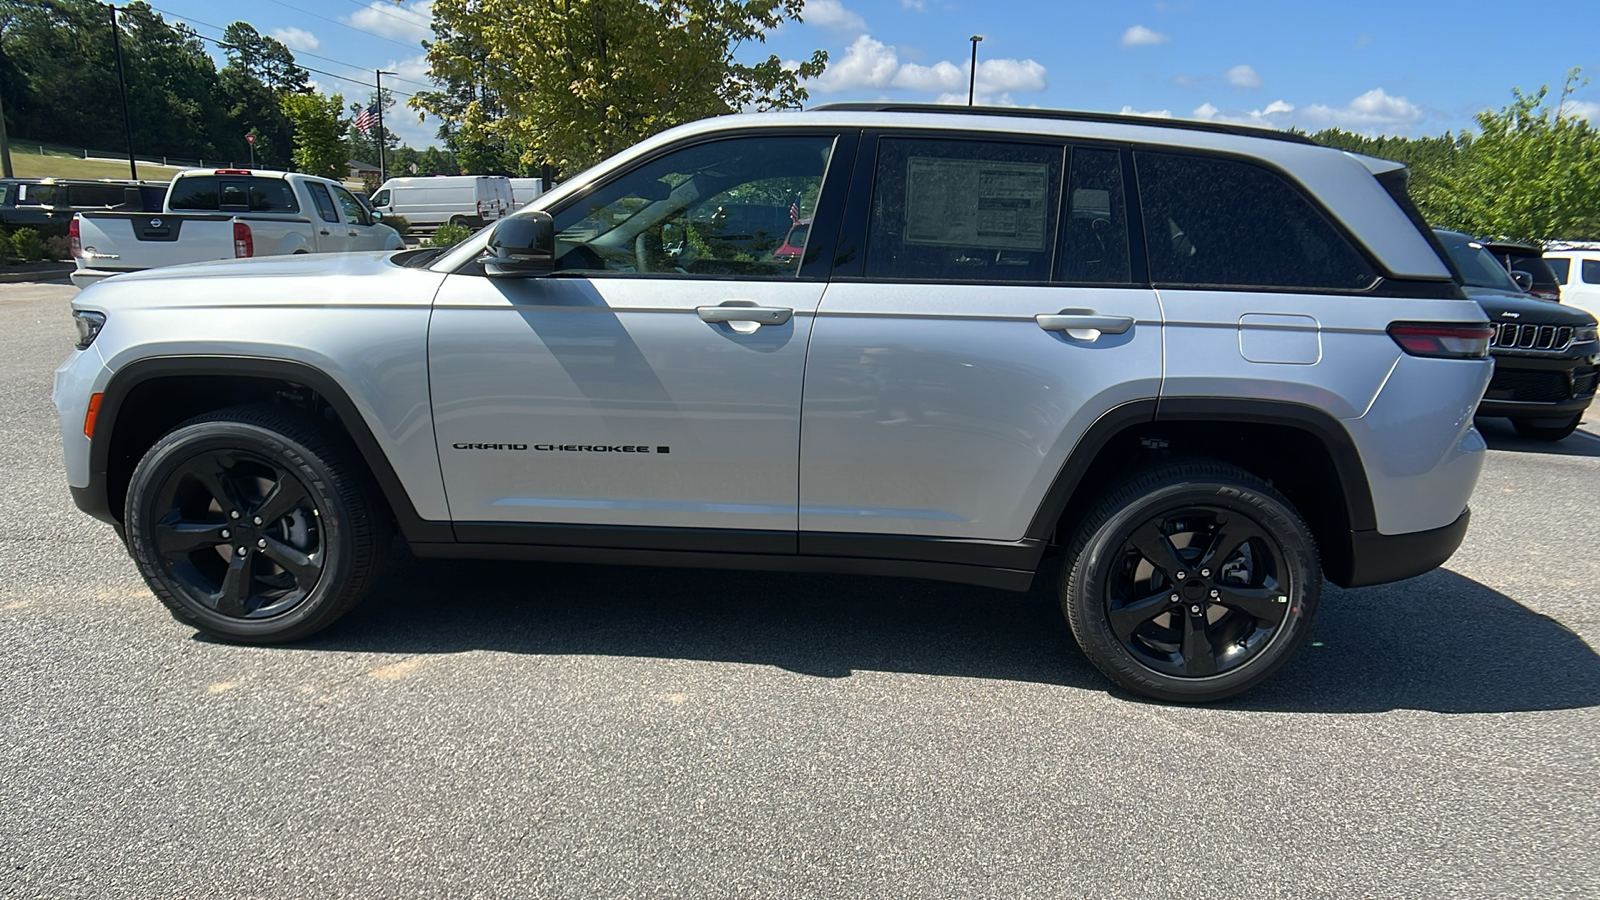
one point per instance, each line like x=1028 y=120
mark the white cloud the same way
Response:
x=872 y=64
x=1140 y=36
x=868 y=63
x=399 y=21
x=1153 y=113
x=1242 y=77
x=1582 y=109
x=297 y=39
x=941 y=76
x=1373 y=110
x=832 y=15
x=918 y=5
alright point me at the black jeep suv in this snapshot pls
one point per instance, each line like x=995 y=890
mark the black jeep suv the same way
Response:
x=1545 y=354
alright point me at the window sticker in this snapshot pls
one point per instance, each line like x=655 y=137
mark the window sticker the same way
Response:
x=976 y=203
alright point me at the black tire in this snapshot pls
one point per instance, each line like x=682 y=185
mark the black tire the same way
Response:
x=458 y=221
x=1528 y=429
x=1248 y=617
x=313 y=555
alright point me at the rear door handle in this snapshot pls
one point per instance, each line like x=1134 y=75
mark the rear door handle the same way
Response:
x=761 y=315
x=1084 y=321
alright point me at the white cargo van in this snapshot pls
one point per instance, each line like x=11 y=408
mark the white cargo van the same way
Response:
x=525 y=191
x=470 y=200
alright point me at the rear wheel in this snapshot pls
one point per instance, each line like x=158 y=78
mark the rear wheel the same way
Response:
x=458 y=221
x=1191 y=582
x=1546 y=429
x=250 y=525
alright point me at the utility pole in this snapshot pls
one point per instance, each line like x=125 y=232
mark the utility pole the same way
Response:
x=5 y=144
x=383 y=174
x=122 y=80
x=972 y=81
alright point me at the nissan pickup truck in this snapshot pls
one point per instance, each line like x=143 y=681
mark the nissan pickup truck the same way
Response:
x=216 y=214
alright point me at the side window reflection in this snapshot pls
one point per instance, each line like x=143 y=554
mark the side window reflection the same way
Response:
x=739 y=207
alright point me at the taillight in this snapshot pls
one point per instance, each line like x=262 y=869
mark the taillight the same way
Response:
x=1443 y=340
x=244 y=244
x=480 y=209
x=75 y=239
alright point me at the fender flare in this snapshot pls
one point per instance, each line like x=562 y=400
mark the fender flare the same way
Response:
x=1319 y=423
x=122 y=383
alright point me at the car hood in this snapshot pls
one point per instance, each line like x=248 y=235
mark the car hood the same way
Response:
x=1504 y=306
x=301 y=265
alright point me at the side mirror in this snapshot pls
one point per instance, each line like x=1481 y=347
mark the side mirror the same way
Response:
x=376 y=216
x=523 y=246
x=1523 y=279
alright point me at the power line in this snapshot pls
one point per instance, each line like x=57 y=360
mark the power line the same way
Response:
x=380 y=37
x=228 y=46
x=297 y=53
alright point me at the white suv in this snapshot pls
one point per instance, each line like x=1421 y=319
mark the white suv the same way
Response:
x=1206 y=366
x=1578 y=271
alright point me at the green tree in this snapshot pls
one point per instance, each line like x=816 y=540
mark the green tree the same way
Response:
x=1533 y=173
x=319 y=132
x=571 y=81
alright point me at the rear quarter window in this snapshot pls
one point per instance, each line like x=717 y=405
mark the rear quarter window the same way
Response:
x=1214 y=222
x=1591 y=271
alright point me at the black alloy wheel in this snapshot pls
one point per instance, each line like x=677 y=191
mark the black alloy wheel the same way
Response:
x=1197 y=591
x=250 y=525
x=239 y=534
x=1191 y=582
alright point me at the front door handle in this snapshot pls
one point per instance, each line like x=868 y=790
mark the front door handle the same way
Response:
x=355 y=234
x=761 y=315
x=1084 y=324
x=326 y=231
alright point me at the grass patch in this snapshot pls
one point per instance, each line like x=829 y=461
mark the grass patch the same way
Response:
x=33 y=166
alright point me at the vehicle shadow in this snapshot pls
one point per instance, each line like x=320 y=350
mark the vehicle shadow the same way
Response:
x=1499 y=434
x=1440 y=642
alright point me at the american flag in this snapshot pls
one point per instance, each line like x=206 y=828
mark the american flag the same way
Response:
x=794 y=209
x=367 y=119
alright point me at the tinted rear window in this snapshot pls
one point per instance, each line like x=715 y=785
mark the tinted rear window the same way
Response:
x=230 y=193
x=1212 y=222
x=95 y=194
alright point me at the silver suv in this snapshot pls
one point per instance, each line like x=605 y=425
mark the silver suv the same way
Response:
x=1205 y=366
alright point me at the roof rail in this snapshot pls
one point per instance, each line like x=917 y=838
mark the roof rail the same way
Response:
x=1073 y=116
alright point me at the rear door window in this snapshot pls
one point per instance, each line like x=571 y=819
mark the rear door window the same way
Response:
x=964 y=210
x=1213 y=222
x=1591 y=271
x=326 y=211
x=92 y=195
x=1094 y=235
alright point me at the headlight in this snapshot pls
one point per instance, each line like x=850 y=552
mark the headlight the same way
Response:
x=1584 y=334
x=89 y=324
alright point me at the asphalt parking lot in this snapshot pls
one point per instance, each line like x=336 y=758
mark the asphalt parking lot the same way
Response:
x=543 y=730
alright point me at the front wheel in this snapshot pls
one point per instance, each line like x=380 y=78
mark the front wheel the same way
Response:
x=250 y=525
x=1191 y=582
x=1546 y=429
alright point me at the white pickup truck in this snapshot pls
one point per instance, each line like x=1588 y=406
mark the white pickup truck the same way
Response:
x=212 y=214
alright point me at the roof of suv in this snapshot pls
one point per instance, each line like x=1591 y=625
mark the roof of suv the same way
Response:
x=1343 y=182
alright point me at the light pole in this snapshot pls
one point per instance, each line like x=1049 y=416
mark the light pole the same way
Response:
x=972 y=82
x=122 y=80
x=382 y=174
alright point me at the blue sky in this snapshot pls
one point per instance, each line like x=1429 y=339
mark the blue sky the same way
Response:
x=1408 y=67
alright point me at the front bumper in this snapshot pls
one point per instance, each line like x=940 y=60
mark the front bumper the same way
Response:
x=1540 y=387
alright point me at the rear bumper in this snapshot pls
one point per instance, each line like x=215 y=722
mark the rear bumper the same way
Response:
x=82 y=278
x=1381 y=558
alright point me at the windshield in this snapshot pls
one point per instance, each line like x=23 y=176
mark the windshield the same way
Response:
x=1478 y=266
